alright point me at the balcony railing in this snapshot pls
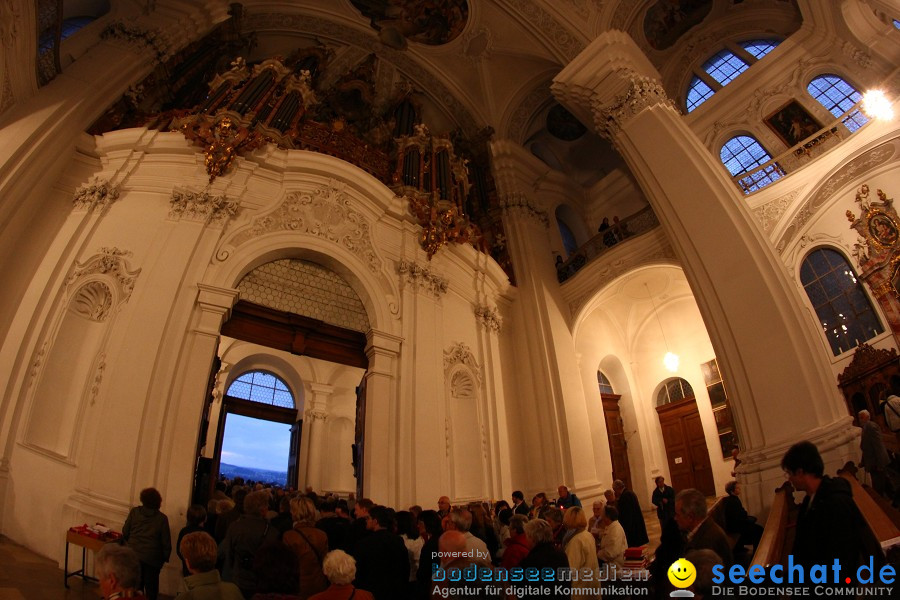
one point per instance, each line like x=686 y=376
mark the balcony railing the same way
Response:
x=632 y=226
x=797 y=155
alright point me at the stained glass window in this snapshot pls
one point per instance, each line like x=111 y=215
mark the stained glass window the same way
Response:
x=743 y=153
x=262 y=387
x=604 y=383
x=838 y=97
x=841 y=304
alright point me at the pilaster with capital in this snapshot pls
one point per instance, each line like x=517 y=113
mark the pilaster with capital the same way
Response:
x=382 y=417
x=612 y=85
x=316 y=415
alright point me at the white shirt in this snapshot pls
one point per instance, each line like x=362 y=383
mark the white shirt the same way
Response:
x=613 y=545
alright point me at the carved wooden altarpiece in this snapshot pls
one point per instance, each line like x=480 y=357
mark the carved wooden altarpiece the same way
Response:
x=877 y=251
x=871 y=374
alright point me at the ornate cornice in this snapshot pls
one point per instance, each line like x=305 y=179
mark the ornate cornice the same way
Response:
x=326 y=212
x=517 y=204
x=850 y=171
x=96 y=194
x=488 y=317
x=111 y=262
x=202 y=206
x=421 y=277
x=642 y=93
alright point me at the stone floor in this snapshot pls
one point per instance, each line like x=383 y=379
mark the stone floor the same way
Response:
x=25 y=575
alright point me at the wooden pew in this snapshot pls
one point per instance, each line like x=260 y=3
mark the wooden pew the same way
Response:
x=886 y=531
x=778 y=535
x=892 y=513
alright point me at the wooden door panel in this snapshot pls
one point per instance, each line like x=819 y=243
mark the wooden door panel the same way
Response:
x=686 y=450
x=618 y=448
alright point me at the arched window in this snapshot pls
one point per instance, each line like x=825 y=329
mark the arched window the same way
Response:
x=743 y=153
x=262 y=387
x=896 y=23
x=604 y=383
x=843 y=309
x=673 y=391
x=568 y=237
x=838 y=96
x=723 y=67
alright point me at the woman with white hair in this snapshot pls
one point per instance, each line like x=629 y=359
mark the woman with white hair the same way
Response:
x=340 y=569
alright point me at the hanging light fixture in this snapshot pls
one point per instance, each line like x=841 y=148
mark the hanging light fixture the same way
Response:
x=876 y=105
x=670 y=360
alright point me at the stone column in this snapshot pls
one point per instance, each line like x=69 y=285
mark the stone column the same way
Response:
x=549 y=393
x=316 y=414
x=775 y=369
x=380 y=472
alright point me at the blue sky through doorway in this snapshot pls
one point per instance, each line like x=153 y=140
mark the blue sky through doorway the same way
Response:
x=255 y=443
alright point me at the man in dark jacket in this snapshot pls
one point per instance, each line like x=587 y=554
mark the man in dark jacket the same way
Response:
x=382 y=561
x=146 y=531
x=875 y=457
x=544 y=554
x=519 y=506
x=701 y=533
x=829 y=525
x=630 y=515
x=664 y=500
x=243 y=538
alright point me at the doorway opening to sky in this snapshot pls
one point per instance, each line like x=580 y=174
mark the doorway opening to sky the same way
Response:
x=255 y=449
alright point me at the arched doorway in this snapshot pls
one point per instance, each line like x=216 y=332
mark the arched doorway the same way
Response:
x=615 y=430
x=685 y=442
x=254 y=397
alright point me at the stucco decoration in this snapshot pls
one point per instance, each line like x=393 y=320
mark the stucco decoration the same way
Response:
x=98 y=377
x=145 y=41
x=96 y=194
x=10 y=20
x=460 y=354
x=565 y=42
x=202 y=207
x=93 y=301
x=643 y=92
x=517 y=204
x=771 y=212
x=421 y=278
x=852 y=170
x=326 y=212
x=488 y=317
x=110 y=262
x=858 y=55
x=529 y=105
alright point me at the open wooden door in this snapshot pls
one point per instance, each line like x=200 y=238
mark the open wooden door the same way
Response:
x=615 y=432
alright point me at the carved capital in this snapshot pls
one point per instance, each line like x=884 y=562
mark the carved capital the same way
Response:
x=202 y=206
x=96 y=194
x=517 y=204
x=422 y=277
x=316 y=415
x=488 y=317
x=641 y=93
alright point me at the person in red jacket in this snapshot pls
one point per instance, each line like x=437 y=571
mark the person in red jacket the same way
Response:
x=517 y=546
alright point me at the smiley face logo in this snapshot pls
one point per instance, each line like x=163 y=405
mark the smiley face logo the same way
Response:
x=682 y=573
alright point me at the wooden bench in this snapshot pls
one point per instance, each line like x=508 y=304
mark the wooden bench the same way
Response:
x=880 y=522
x=778 y=534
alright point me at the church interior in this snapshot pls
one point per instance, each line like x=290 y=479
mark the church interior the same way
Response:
x=476 y=245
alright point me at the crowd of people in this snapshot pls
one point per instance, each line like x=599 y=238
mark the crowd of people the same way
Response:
x=259 y=543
